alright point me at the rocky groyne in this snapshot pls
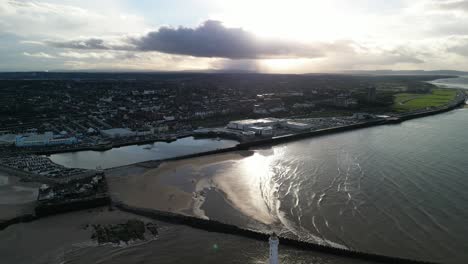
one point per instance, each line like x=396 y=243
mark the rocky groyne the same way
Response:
x=216 y=226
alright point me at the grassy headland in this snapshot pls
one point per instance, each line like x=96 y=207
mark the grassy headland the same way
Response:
x=413 y=101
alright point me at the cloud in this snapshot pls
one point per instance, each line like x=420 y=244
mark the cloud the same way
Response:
x=39 y=55
x=459 y=47
x=211 y=40
x=30 y=18
x=453 y=6
x=107 y=55
x=92 y=43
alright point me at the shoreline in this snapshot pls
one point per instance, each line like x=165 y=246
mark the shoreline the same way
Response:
x=215 y=226
x=109 y=146
x=219 y=227
x=292 y=137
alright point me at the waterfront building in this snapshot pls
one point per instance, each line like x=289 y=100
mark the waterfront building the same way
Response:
x=247 y=124
x=297 y=125
x=274 y=242
x=41 y=140
x=263 y=131
x=118 y=132
x=8 y=139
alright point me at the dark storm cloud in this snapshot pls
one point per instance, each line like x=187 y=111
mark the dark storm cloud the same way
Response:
x=212 y=39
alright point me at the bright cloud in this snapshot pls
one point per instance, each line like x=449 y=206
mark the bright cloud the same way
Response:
x=274 y=36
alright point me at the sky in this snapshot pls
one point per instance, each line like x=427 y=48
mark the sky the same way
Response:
x=274 y=36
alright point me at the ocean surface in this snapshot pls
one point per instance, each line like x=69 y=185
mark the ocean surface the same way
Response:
x=460 y=82
x=398 y=190
x=138 y=153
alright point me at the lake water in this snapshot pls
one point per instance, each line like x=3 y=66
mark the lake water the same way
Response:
x=138 y=153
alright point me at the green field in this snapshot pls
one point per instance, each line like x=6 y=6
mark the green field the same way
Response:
x=409 y=101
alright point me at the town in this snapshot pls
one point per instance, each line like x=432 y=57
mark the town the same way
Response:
x=42 y=116
x=73 y=111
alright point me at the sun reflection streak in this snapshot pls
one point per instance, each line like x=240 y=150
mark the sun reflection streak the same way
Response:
x=247 y=186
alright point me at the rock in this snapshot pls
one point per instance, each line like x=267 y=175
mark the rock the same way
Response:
x=132 y=230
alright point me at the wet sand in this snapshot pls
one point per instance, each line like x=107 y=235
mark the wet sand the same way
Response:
x=16 y=197
x=52 y=239
x=177 y=186
x=64 y=239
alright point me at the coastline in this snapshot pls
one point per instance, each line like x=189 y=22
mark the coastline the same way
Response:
x=278 y=140
x=216 y=226
x=281 y=139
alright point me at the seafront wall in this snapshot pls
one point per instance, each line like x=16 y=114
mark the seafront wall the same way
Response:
x=216 y=226
x=49 y=210
x=19 y=219
x=275 y=140
x=26 y=176
x=109 y=146
x=53 y=209
x=292 y=137
x=320 y=132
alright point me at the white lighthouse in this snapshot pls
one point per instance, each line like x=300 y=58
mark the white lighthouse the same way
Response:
x=274 y=249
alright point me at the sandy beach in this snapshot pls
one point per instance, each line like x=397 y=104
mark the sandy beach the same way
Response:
x=206 y=187
x=170 y=186
x=16 y=197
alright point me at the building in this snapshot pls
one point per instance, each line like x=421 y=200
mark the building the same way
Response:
x=345 y=101
x=363 y=116
x=371 y=94
x=297 y=125
x=118 y=132
x=261 y=131
x=42 y=140
x=274 y=242
x=248 y=123
x=8 y=139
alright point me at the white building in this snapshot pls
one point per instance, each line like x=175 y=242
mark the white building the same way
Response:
x=297 y=125
x=118 y=132
x=248 y=123
x=274 y=242
x=46 y=139
x=262 y=131
x=8 y=139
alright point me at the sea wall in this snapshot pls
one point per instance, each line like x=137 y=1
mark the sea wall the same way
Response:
x=26 y=176
x=19 y=219
x=82 y=204
x=216 y=226
x=297 y=136
x=108 y=146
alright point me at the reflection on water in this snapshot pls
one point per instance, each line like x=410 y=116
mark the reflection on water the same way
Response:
x=396 y=190
x=138 y=153
x=69 y=242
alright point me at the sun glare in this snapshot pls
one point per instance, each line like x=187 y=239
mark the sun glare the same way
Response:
x=303 y=20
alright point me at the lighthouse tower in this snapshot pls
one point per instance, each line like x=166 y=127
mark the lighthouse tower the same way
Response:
x=274 y=249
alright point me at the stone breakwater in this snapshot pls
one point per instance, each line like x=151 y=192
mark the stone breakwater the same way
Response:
x=216 y=226
x=19 y=219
